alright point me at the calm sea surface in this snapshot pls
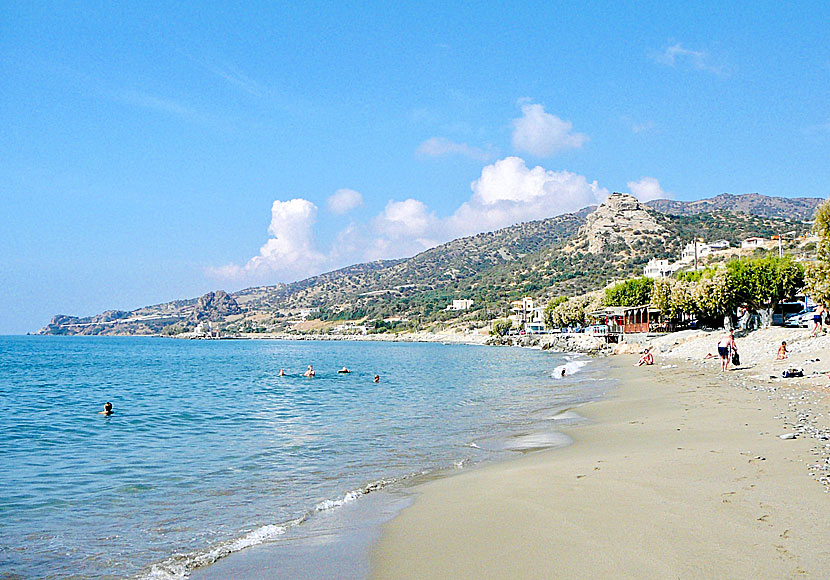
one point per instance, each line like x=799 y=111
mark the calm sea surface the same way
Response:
x=209 y=450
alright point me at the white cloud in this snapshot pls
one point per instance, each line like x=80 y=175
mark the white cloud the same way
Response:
x=442 y=147
x=508 y=192
x=543 y=134
x=648 y=188
x=676 y=54
x=344 y=200
x=290 y=252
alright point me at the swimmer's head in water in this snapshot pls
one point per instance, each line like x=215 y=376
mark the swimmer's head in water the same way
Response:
x=108 y=407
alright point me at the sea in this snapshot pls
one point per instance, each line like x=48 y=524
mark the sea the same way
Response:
x=210 y=451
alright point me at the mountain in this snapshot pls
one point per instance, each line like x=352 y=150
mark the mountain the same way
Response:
x=749 y=203
x=562 y=255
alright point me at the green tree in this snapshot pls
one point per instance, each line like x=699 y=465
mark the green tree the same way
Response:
x=817 y=274
x=549 y=308
x=764 y=282
x=502 y=326
x=817 y=281
x=634 y=292
x=821 y=227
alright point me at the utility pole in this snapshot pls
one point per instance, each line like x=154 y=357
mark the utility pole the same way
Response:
x=695 y=254
x=780 y=248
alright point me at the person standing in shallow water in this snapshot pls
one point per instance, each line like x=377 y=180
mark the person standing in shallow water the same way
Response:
x=107 y=409
x=310 y=372
x=726 y=346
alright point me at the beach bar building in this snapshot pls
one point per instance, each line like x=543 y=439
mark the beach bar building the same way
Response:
x=614 y=322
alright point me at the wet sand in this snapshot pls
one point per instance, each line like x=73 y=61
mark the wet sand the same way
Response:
x=681 y=473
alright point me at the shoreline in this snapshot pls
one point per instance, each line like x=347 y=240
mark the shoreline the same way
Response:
x=351 y=529
x=723 y=494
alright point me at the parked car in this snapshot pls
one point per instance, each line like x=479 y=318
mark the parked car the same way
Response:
x=802 y=319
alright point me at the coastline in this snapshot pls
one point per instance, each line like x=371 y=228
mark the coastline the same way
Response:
x=346 y=533
x=680 y=473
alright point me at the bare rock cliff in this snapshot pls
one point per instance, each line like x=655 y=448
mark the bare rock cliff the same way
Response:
x=620 y=219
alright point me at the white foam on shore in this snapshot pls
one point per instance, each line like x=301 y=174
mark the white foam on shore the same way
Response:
x=567 y=416
x=179 y=566
x=571 y=367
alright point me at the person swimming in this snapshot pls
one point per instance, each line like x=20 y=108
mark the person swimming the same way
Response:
x=344 y=370
x=310 y=372
x=282 y=372
x=377 y=378
x=107 y=409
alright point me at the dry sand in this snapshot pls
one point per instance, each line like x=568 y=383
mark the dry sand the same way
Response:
x=681 y=473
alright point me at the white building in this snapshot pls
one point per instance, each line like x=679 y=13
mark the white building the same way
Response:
x=660 y=268
x=701 y=249
x=751 y=243
x=719 y=245
x=460 y=305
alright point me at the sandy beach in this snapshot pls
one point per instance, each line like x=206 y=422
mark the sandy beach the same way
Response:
x=681 y=473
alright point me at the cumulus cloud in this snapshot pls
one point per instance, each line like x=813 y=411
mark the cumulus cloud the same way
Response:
x=543 y=134
x=648 y=188
x=344 y=200
x=509 y=192
x=291 y=251
x=506 y=193
x=442 y=147
x=677 y=54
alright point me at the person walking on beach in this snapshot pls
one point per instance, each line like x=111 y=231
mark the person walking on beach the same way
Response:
x=726 y=346
x=818 y=316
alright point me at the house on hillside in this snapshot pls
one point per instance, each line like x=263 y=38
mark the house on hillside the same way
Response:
x=660 y=268
x=521 y=310
x=719 y=245
x=527 y=316
x=752 y=243
x=460 y=305
x=695 y=250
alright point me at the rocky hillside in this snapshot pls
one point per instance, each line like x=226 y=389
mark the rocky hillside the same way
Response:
x=562 y=255
x=749 y=203
x=620 y=220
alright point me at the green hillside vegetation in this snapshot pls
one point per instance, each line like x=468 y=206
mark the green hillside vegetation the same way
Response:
x=543 y=259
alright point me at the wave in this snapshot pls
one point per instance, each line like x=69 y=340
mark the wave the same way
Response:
x=180 y=566
x=570 y=367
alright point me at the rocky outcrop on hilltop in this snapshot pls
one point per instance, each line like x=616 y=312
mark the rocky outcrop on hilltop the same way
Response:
x=215 y=306
x=620 y=220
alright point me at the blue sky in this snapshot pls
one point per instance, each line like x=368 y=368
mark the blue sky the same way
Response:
x=151 y=152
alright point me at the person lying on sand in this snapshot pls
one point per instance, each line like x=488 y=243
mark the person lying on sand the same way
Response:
x=782 y=351
x=646 y=359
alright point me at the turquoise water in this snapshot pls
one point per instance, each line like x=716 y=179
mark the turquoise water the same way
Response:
x=209 y=450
